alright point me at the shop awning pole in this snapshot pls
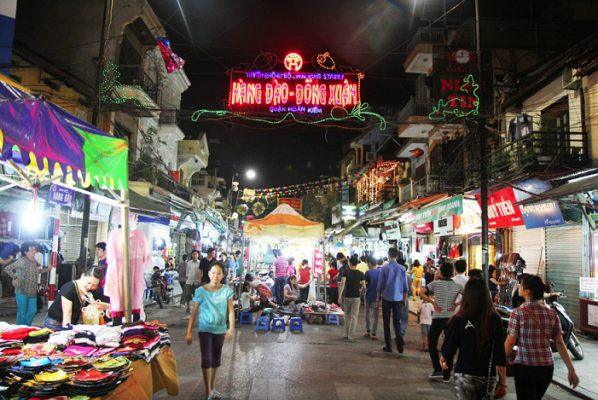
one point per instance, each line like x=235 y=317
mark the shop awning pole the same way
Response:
x=53 y=276
x=124 y=194
x=324 y=280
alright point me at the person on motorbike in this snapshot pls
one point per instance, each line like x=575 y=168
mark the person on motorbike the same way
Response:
x=533 y=325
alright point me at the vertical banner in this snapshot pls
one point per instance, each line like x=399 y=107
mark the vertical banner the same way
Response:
x=318 y=262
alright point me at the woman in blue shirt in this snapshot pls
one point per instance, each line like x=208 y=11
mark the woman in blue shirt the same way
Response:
x=213 y=302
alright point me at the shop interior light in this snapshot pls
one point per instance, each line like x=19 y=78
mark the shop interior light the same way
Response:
x=33 y=217
x=235 y=216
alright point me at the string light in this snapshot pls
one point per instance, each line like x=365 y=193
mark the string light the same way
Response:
x=358 y=112
x=465 y=102
x=113 y=91
x=322 y=58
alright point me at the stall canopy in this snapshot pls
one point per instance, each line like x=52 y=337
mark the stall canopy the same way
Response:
x=45 y=139
x=283 y=223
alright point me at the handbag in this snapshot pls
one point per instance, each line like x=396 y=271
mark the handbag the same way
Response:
x=488 y=395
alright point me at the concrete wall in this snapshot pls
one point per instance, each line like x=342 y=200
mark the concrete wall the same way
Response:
x=590 y=89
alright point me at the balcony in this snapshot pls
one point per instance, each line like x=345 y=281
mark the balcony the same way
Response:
x=169 y=117
x=414 y=119
x=418 y=107
x=420 y=50
x=546 y=153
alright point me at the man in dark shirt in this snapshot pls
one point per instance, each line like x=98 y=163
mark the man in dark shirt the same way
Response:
x=204 y=266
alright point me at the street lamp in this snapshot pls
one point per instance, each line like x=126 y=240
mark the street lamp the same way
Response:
x=250 y=174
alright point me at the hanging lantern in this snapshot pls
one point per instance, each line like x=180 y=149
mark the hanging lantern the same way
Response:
x=270 y=199
x=258 y=208
x=417 y=153
x=242 y=209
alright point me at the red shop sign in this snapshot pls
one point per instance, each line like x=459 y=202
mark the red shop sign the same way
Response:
x=502 y=211
x=426 y=227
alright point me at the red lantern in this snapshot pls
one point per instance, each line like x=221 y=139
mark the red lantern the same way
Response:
x=417 y=153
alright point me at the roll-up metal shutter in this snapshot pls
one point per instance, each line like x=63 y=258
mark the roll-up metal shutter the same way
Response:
x=529 y=243
x=70 y=245
x=564 y=264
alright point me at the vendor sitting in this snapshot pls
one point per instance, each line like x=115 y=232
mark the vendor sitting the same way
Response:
x=247 y=298
x=73 y=296
x=290 y=291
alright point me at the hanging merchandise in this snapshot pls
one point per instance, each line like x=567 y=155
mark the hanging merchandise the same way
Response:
x=140 y=260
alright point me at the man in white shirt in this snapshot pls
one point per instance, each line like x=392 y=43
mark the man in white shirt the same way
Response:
x=194 y=275
x=460 y=277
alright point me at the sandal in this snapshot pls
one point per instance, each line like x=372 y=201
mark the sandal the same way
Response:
x=374 y=337
x=367 y=335
x=216 y=394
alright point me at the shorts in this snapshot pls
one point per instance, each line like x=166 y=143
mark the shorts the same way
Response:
x=425 y=328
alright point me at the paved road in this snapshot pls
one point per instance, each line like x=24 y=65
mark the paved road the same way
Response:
x=317 y=364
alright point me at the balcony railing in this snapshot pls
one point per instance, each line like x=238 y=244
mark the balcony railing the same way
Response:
x=427 y=35
x=416 y=107
x=170 y=117
x=544 y=150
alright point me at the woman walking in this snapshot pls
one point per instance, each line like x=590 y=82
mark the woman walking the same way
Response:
x=26 y=272
x=476 y=331
x=353 y=282
x=213 y=302
x=532 y=326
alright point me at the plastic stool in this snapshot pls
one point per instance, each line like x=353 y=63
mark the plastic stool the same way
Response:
x=296 y=324
x=262 y=324
x=246 y=318
x=169 y=279
x=278 y=325
x=148 y=293
x=333 y=319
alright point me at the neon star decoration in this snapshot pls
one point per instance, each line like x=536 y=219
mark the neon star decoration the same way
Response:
x=469 y=101
x=357 y=112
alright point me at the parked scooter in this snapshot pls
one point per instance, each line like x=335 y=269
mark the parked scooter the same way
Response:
x=569 y=335
x=162 y=293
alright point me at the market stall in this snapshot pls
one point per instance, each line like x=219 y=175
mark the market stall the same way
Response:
x=294 y=235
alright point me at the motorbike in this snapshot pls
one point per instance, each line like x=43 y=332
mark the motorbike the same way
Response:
x=569 y=335
x=162 y=292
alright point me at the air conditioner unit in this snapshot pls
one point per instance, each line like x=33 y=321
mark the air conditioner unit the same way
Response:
x=369 y=156
x=570 y=81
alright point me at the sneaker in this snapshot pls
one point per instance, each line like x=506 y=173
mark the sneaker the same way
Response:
x=389 y=350
x=435 y=374
x=400 y=343
x=446 y=379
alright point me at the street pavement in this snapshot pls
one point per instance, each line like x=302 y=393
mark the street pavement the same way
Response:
x=320 y=364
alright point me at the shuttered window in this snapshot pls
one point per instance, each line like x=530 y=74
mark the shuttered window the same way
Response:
x=564 y=264
x=529 y=243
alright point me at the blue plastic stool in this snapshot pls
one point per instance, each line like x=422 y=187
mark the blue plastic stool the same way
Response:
x=278 y=325
x=169 y=279
x=296 y=324
x=262 y=324
x=148 y=293
x=333 y=319
x=246 y=318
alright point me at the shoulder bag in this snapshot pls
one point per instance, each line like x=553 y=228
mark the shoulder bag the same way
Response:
x=488 y=395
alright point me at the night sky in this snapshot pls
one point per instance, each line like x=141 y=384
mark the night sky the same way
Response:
x=221 y=34
x=371 y=36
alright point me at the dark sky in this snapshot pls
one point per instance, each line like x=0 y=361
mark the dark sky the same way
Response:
x=219 y=34
x=369 y=35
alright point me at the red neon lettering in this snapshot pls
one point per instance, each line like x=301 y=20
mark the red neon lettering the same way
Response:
x=299 y=94
x=323 y=94
x=254 y=93
x=353 y=94
x=331 y=98
x=308 y=93
x=446 y=84
x=338 y=95
x=269 y=93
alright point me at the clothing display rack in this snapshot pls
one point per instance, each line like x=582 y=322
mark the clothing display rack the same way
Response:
x=510 y=268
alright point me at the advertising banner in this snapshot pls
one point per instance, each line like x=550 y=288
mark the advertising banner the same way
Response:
x=443 y=227
x=318 y=262
x=542 y=214
x=294 y=203
x=502 y=212
x=447 y=208
x=425 y=227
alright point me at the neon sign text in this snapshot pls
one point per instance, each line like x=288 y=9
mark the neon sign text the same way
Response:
x=276 y=92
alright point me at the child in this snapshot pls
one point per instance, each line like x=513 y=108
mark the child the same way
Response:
x=424 y=317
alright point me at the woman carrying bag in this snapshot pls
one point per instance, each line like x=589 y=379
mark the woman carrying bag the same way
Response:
x=532 y=326
x=476 y=331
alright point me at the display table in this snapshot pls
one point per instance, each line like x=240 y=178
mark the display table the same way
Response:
x=588 y=310
x=147 y=379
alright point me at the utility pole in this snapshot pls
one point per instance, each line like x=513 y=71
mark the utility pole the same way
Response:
x=483 y=145
x=94 y=121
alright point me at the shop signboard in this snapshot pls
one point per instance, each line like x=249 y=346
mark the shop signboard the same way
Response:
x=294 y=203
x=467 y=223
x=345 y=195
x=542 y=214
x=443 y=227
x=425 y=227
x=318 y=262
x=393 y=230
x=502 y=211
x=99 y=212
x=349 y=212
x=588 y=285
x=61 y=196
x=407 y=230
x=363 y=209
x=336 y=214
x=453 y=206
